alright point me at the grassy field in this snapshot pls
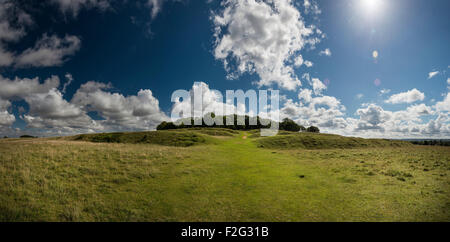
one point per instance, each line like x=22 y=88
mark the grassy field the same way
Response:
x=221 y=175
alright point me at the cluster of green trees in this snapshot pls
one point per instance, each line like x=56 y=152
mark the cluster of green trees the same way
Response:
x=431 y=142
x=27 y=136
x=290 y=125
x=286 y=124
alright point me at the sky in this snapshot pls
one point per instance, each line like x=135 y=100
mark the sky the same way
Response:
x=367 y=68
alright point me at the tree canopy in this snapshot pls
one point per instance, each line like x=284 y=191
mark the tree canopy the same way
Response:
x=249 y=124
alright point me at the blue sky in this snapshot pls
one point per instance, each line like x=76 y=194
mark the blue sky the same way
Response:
x=108 y=65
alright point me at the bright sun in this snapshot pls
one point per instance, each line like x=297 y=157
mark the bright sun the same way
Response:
x=371 y=7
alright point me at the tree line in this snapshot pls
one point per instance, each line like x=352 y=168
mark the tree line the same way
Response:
x=287 y=124
x=432 y=142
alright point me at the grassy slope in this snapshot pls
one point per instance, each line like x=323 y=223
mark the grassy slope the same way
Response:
x=287 y=140
x=234 y=180
x=171 y=138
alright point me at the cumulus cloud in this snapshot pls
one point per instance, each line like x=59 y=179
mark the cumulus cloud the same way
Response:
x=13 y=21
x=6 y=119
x=326 y=52
x=444 y=105
x=372 y=116
x=305 y=95
x=311 y=6
x=410 y=96
x=432 y=74
x=49 y=51
x=374 y=119
x=50 y=114
x=384 y=91
x=19 y=88
x=51 y=105
x=318 y=86
x=308 y=63
x=298 y=61
x=262 y=37
x=211 y=101
x=136 y=112
x=326 y=112
x=359 y=95
x=74 y=6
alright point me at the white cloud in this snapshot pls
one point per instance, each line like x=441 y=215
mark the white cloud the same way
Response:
x=326 y=52
x=448 y=81
x=13 y=21
x=359 y=95
x=50 y=114
x=371 y=117
x=51 y=105
x=19 y=88
x=384 y=91
x=212 y=101
x=49 y=51
x=308 y=63
x=410 y=96
x=74 y=6
x=444 y=105
x=69 y=79
x=311 y=7
x=262 y=37
x=305 y=95
x=156 y=6
x=318 y=86
x=432 y=74
x=6 y=119
x=138 y=112
x=298 y=61
x=323 y=111
x=6 y=57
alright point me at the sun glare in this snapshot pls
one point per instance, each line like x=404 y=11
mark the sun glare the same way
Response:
x=372 y=7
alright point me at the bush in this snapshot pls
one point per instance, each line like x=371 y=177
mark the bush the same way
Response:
x=313 y=129
x=166 y=125
x=27 y=136
x=290 y=125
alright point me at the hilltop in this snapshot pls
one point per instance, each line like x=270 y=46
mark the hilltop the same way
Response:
x=202 y=136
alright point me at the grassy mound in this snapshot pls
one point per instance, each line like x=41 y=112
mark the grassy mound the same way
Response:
x=166 y=137
x=210 y=131
x=323 y=141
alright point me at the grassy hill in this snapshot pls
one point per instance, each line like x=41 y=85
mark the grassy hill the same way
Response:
x=196 y=136
x=218 y=175
x=288 y=140
x=170 y=138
